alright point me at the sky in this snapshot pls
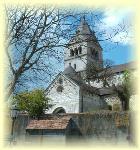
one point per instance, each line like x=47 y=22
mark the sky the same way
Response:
x=120 y=49
x=123 y=51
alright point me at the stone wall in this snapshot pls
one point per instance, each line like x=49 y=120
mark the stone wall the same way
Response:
x=102 y=124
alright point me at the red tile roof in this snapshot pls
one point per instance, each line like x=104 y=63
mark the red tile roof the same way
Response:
x=59 y=123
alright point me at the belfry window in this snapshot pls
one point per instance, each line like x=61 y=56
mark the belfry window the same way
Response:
x=92 y=52
x=80 y=50
x=71 y=52
x=74 y=66
x=96 y=56
x=76 y=51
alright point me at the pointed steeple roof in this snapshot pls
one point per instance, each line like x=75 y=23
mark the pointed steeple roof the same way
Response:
x=84 y=27
x=83 y=32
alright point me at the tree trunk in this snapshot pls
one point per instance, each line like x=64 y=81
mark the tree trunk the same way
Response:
x=10 y=89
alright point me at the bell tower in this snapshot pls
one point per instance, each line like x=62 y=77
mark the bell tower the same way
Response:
x=83 y=48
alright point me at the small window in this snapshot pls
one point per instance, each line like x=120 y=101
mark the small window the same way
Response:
x=71 y=52
x=80 y=50
x=74 y=66
x=60 y=80
x=59 y=89
x=76 y=51
x=92 y=52
x=96 y=55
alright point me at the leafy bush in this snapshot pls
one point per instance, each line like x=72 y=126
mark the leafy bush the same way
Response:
x=33 y=102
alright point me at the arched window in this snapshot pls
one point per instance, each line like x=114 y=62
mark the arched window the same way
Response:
x=80 y=50
x=74 y=66
x=76 y=51
x=59 y=110
x=96 y=56
x=60 y=81
x=71 y=52
x=92 y=51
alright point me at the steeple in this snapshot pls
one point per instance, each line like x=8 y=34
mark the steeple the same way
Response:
x=83 y=48
x=83 y=19
x=84 y=28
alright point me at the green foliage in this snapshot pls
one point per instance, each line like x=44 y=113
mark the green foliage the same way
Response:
x=126 y=89
x=128 y=84
x=33 y=102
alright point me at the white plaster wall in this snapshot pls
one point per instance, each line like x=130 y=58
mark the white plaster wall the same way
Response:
x=116 y=79
x=68 y=99
x=80 y=63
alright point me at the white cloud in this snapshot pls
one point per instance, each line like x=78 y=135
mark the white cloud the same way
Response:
x=113 y=17
x=121 y=21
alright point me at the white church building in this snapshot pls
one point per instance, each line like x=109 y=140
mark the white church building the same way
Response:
x=69 y=93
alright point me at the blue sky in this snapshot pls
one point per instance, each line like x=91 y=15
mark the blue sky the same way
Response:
x=123 y=51
x=120 y=49
x=120 y=55
x=111 y=19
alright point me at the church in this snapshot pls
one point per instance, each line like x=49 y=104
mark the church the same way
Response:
x=69 y=92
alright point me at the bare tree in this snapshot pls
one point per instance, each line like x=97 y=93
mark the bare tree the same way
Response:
x=95 y=72
x=32 y=36
x=35 y=35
